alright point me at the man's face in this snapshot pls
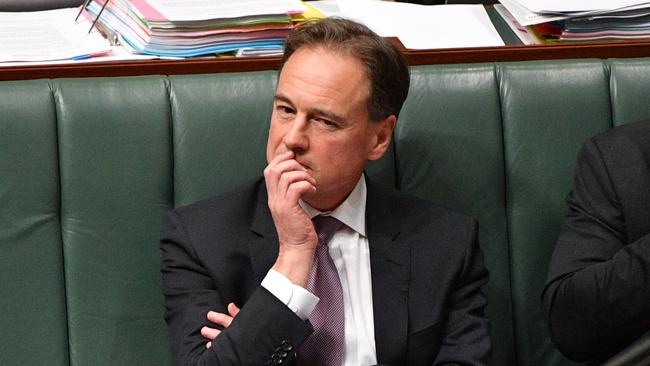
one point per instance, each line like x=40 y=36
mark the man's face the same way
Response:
x=320 y=113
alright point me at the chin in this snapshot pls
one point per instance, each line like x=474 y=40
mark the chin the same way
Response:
x=310 y=197
x=314 y=200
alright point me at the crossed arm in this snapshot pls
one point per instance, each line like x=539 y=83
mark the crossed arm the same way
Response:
x=597 y=297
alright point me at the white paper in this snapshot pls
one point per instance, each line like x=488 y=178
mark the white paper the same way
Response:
x=421 y=27
x=329 y=8
x=574 y=6
x=522 y=34
x=195 y=10
x=526 y=17
x=624 y=15
x=118 y=54
x=47 y=35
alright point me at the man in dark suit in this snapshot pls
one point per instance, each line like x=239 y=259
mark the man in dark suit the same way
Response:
x=597 y=296
x=408 y=275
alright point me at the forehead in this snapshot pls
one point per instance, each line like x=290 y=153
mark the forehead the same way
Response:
x=323 y=71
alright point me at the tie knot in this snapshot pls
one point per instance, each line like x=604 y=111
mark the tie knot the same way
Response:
x=325 y=227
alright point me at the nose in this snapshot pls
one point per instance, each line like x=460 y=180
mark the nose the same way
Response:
x=296 y=139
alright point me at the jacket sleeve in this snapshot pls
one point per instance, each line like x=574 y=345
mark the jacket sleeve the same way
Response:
x=597 y=296
x=466 y=338
x=265 y=328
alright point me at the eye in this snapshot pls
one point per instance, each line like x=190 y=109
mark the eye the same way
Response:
x=326 y=122
x=284 y=110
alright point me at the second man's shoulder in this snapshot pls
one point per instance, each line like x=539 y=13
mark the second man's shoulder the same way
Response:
x=629 y=136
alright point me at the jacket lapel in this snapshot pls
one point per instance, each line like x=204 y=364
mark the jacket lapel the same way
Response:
x=264 y=248
x=390 y=270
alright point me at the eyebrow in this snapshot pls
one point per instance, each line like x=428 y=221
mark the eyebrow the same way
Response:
x=283 y=98
x=314 y=111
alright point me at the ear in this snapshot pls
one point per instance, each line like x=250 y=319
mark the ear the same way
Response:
x=382 y=136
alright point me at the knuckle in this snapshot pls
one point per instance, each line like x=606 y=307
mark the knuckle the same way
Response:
x=295 y=186
x=275 y=170
x=269 y=172
x=286 y=179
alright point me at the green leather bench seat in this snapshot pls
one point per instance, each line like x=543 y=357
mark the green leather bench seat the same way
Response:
x=88 y=167
x=115 y=162
x=33 y=324
x=548 y=113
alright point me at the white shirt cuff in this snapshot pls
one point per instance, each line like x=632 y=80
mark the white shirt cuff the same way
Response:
x=298 y=299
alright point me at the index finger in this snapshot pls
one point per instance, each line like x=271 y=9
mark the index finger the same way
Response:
x=281 y=157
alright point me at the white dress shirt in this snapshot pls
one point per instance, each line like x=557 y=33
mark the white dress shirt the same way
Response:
x=351 y=255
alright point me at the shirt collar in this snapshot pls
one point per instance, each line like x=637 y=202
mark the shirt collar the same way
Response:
x=351 y=212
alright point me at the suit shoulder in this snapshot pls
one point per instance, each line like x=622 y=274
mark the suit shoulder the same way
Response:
x=430 y=229
x=416 y=211
x=234 y=203
x=632 y=136
x=620 y=151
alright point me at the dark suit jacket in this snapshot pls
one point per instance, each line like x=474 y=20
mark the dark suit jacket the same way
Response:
x=426 y=266
x=597 y=296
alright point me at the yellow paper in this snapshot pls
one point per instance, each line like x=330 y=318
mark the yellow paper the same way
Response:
x=311 y=13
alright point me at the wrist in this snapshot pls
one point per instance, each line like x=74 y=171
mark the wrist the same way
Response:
x=295 y=264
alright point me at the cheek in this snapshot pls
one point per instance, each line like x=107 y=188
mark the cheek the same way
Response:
x=359 y=145
x=350 y=153
x=272 y=143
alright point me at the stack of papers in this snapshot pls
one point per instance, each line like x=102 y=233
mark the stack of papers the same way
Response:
x=577 y=20
x=187 y=28
x=47 y=36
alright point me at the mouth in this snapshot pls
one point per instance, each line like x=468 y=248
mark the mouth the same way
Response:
x=304 y=165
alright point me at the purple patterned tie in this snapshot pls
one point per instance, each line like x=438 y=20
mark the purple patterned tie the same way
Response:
x=326 y=346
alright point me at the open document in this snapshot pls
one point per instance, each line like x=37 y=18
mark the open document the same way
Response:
x=425 y=26
x=48 y=35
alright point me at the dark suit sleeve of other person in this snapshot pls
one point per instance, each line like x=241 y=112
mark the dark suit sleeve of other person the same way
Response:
x=597 y=297
x=205 y=266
